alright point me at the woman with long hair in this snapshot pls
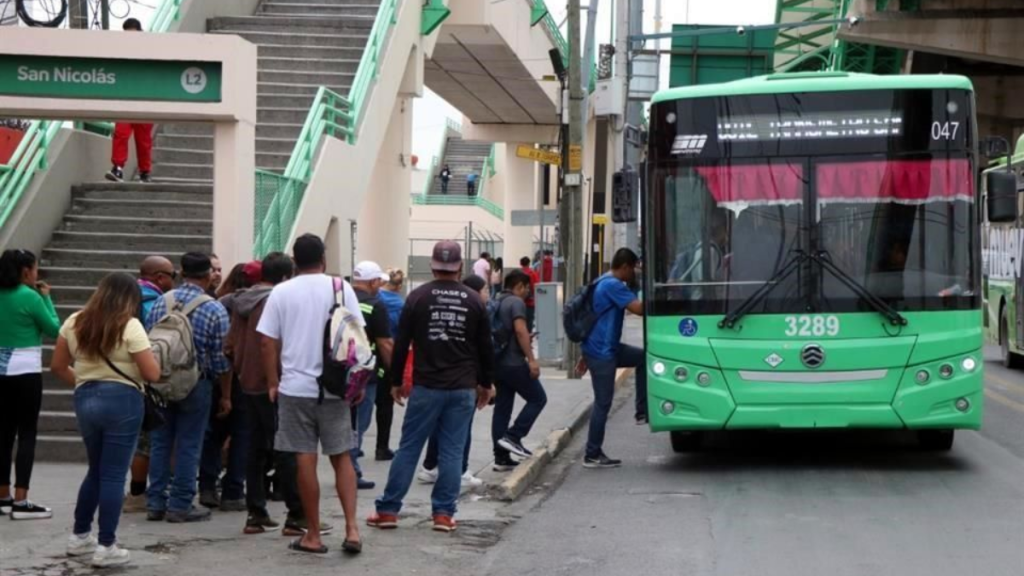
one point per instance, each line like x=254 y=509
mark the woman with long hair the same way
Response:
x=111 y=358
x=235 y=281
x=26 y=315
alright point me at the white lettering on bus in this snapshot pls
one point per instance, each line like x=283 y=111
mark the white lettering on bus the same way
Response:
x=1005 y=253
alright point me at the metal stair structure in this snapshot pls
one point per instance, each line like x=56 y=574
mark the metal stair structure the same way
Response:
x=463 y=157
x=303 y=44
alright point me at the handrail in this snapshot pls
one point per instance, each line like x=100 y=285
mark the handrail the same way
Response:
x=29 y=156
x=369 y=65
x=167 y=12
x=453 y=200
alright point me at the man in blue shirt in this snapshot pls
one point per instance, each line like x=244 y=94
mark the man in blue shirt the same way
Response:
x=471 y=184
x=604 y=353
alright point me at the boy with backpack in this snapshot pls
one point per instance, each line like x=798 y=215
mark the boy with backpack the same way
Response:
x=309 y=414
x=517 y=372
x=187 y=329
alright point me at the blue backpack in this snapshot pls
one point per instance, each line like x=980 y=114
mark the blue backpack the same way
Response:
x=499 y=332
x=578 y=315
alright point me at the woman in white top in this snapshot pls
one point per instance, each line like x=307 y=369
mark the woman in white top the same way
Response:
x=112 y=358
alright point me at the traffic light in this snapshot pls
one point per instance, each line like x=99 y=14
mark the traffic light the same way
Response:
x=625 y=187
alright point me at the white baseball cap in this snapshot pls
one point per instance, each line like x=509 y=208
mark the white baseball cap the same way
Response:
x=367 y=271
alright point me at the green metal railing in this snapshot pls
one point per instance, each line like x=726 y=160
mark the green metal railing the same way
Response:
x=447 y=200
x=167 y=12
x=331 y=114
x=29 y=156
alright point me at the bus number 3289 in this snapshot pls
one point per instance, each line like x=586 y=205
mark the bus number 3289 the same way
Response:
x=812 y=325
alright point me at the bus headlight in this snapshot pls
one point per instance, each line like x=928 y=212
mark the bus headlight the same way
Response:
x=704 y=379
x=922 y=377
x=969 y=364
x=946 y=370
x=682 y=374
x=658 y=368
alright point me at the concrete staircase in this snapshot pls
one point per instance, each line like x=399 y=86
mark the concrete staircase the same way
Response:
x=303 y=44
x=463 y=157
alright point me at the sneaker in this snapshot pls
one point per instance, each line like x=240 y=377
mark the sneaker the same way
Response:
x=514 y=446
x=112 y=555
x=209 y=498
x=362 y=484
x=28 y=511
x=382 y=520
x=299 y=527
x=427 y=476
x=134 y=504
x=470 y=481
x=156 y=515
x=233 y=506
x=115 y=174
x=191 y=515
x=601 y=461
x=444 y=523
x=259 y=523
x=145 y=178
x=385 y=455
x=504 y=465
x=641 y=419
x=5 y=505
x=81 y=545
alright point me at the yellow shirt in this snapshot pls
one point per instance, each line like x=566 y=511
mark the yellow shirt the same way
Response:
x=133 y=340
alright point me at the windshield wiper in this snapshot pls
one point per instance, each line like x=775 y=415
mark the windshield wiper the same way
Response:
x=747 y=305
x=825 y=260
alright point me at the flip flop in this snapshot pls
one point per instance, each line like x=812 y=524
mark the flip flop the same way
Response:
x=297 y=546
x=352 y=547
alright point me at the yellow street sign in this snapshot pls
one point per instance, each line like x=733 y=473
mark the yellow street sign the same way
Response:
x=600 y=219
x=538 y=155
x=575 y=158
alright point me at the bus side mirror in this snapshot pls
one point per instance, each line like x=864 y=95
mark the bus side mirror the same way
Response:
x=995 y=147
x=1002 y=196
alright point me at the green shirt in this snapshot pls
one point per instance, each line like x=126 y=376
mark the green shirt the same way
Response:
x=25 y=317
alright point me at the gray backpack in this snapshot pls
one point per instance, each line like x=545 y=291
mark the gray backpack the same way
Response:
x=175 y=349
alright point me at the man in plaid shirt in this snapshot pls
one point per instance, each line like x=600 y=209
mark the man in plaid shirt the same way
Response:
x=187 y=420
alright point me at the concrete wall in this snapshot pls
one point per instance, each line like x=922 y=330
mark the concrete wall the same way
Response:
x=73 y=157
x=194 y=13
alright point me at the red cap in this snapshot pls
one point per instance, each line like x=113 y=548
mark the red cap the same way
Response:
x=253 y=272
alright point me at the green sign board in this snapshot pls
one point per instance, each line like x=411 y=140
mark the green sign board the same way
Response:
x=110 y=79
x=714 y=58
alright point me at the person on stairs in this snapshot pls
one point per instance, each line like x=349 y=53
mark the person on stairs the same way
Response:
x=123 y=131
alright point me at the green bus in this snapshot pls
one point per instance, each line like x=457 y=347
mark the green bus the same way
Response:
x=813 y=256
x=1002 y=259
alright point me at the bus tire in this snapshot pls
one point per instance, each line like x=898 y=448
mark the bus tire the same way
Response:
x=935 y=440
x=1011 y=359
x=686 y=442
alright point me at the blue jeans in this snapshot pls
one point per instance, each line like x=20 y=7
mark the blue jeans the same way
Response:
x=183 y=433
x=109 y=419
x=430 y=460
x=448 y=412
x=236 y=427
x=512 y=381
x=602 y=376
x=362 y=416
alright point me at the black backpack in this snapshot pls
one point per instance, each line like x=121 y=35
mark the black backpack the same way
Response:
x=578 y=314
x=500 y=334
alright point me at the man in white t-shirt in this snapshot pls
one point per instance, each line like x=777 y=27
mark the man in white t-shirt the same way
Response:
x=292 y=326
x=482 y=267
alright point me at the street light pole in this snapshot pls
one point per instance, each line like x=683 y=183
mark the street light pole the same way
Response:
x=571 y=217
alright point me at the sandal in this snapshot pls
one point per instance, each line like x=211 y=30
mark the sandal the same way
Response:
x=352 y=547
x=297 y=546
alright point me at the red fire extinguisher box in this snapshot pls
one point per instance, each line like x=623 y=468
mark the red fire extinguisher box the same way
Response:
x=9 y=140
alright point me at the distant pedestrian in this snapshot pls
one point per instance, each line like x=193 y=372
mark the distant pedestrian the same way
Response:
x=180 y=441
x=242 y=347
x=367 y=279
x=292 y=324
x=531 y=302
x=391 y=295
x=471 y=184
x=454 y=372
x=547 y=266
x=112 y=359
x=156 y=277
x=446 y=176
x=216 y=276
x=497 y=275
x=27 y=315
x=604 y=352
x=123 y=132
x=482 y=266
x=517 y=372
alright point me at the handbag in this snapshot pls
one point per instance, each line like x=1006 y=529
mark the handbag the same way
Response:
x=152 y=400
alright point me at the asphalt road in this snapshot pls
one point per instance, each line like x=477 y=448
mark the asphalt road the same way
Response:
x=786 y=505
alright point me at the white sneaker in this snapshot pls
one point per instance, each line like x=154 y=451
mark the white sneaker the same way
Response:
x=468 y=480
x=81 y=545
x=427 y=476
x=112 y=555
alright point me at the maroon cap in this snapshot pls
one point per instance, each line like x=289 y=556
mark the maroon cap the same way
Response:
x=253 y=272
x=447 y=256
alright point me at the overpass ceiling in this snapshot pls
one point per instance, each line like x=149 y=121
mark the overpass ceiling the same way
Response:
x=481 y=75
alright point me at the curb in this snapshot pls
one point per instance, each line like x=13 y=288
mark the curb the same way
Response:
x=523 y=476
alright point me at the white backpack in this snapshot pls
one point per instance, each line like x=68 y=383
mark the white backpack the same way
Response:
x=175 y=348
x=348 y=358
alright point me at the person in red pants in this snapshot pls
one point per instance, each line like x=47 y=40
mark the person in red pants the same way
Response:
x=123 y=132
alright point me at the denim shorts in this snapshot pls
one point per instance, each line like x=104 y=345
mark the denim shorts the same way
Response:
x=302 y=423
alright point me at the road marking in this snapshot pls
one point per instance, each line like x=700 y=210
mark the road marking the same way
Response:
x=1011 y=404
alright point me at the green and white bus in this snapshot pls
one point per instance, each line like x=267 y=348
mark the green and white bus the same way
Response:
x=1003 y=267
x=813 y=256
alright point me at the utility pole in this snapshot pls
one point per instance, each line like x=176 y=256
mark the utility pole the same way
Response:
x=78 y=14
x=571 y=217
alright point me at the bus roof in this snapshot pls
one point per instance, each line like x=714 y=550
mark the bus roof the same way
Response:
x=814 y=82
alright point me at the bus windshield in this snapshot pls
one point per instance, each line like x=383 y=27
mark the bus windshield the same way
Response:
x=898 y=222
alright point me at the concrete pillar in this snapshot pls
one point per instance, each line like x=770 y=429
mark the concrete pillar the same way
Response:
x=233 y=184
x=520 y=194
x=383 y=224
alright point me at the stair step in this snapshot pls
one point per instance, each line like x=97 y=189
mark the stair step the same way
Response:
x=293 y=24
x=303 y=89
x=282 y=116
x=318 y=10
x=187 y=129
x=63 y=421
x=300 y=77
x=68 y=295
x=305 y=63
x=269 y=130
x=60 y=448
x=142 y=208
x=56 y=400
x=150 y=243
x=124 y=260
x=188 y=172
x=312 y=52
x=184 y=142
x=349 y=39
x=140 y=187
x=275 y=145
x=329 y=2
x=72 y=276
x=114 y=224
x=284 y=101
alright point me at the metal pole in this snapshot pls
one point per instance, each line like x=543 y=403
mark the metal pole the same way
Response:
x=572 y=207
x=105 y=13
x=78 y=14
